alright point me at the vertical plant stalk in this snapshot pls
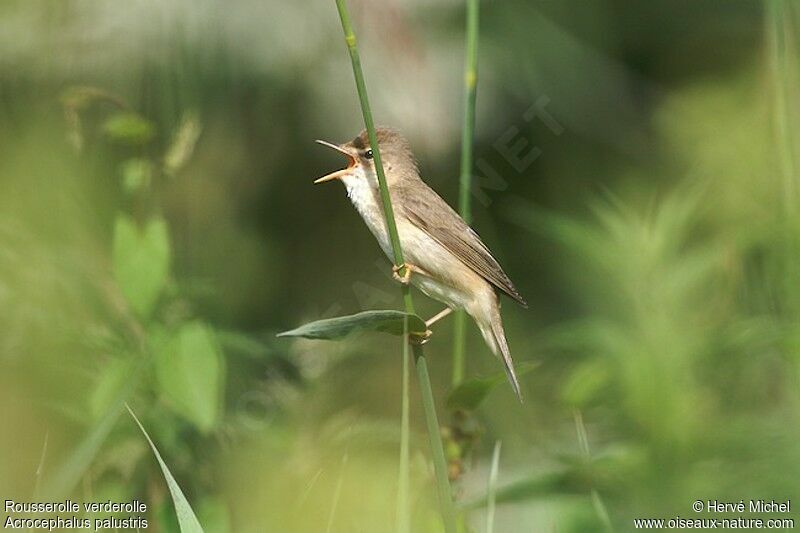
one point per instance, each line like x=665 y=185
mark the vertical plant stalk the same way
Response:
x=403 y=501
x=782 y=42
x=777 y=22
x=432 y=421
x=491 y=489
x=465 y=179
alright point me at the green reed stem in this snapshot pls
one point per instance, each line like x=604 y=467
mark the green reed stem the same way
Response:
x=465 y=179
x=777 y=31
x=403 y=501
x=437 y=450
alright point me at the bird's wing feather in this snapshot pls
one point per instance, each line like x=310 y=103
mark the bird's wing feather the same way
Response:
x=426 y=209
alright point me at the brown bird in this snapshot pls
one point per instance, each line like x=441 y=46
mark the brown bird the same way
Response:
x=444 y=257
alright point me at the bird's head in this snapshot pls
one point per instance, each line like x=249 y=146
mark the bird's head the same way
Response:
x=395 y=154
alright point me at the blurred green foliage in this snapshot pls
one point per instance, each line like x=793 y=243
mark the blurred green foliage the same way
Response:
x=158 y=227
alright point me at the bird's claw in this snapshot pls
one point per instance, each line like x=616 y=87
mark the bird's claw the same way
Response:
x=405 y=277
x=420 y=337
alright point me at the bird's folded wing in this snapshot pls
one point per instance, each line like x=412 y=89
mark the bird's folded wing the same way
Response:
x=427 y=211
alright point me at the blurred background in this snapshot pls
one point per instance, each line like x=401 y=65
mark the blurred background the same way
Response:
x=636 y=175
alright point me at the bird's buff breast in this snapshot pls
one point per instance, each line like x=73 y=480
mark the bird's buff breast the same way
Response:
x=449 y=280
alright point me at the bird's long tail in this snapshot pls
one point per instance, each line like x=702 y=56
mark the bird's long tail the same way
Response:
x=487 y=316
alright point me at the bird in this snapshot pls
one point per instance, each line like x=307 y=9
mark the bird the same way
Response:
x=443 y=256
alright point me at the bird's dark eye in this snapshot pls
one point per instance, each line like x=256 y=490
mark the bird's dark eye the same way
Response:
x=368 y=154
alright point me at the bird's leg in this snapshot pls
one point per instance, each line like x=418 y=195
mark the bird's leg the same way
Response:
x=407 y=269
x=438 y=316
x=422 y=338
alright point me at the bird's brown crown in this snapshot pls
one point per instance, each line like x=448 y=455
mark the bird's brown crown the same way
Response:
x=395 y=150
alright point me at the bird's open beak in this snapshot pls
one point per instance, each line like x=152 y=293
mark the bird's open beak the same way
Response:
x=339 y=174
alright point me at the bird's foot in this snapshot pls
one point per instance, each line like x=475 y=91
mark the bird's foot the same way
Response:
x=420 y=338
x=405 y=277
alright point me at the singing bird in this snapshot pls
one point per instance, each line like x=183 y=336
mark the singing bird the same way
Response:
x=444 y=257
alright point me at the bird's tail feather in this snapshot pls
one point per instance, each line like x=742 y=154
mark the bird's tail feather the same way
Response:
x=491 y=326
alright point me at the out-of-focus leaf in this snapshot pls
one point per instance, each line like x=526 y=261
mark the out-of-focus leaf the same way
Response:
x=387 y=321
x=70 y=471
x=121 y=456
x=214 y=515
x=237 y=343
x=166 y=518
x=186 y=517
x=111 y=381
x=136 y=175
x=586 y=380
x=141 y=261
x=610 y=472
x=115 y=491
x=78 y=97
x=530 y=488
x=183 y=144
x=189 y=371
x=469 y=394
x=129 y=128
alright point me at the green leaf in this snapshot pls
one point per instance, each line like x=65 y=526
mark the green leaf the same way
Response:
x=186 y=517
x=214 y=514
x=166 y=518
x=72 y=469
x=189 y=371
x=112 y=379
x=469 y=394
x=586 y=381
x=387 y=321
x=129 y=128
x=141 y=261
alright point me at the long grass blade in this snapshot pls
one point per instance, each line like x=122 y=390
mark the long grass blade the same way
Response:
x=437 y=450
x=187 y=520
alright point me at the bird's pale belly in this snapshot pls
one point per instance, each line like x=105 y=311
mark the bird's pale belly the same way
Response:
x=448 y=279
x=444 y=277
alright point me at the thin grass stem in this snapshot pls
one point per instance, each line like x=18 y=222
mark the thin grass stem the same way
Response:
x=597 y=501
x=336 y=495
x=403 y=500
x=465 y=179
x=491 y=489
x=432 y=422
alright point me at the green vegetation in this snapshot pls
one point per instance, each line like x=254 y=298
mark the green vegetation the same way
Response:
x=159 y=229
